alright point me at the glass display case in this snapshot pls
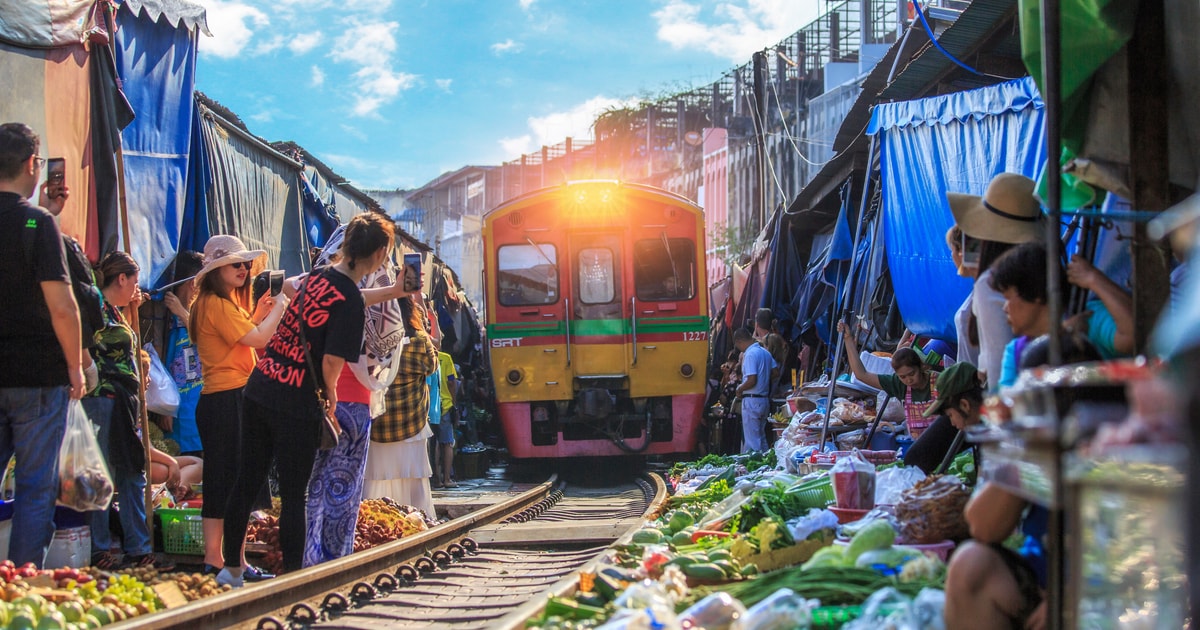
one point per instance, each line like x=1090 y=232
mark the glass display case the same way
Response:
x=1127 y=572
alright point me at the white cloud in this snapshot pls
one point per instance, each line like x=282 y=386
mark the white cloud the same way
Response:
x=379 y=85
x=366 y=43
x=734 y=29
x=269 y=46
x=233 y=25
x=443 y=84
x=305 y=42
x=265 y=116
x=318 y=77
x=526 y=4
x=555 y=127
x=518 y=145
x=507 y=46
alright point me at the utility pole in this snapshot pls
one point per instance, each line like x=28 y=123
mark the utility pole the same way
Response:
x=760 y=138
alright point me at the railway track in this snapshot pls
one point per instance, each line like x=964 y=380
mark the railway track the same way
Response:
x=488 y=569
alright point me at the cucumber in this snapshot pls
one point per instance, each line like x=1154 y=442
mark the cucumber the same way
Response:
x=681 y=561
x=730 y=569
x=720 y=554
x=681 y=538
x=704 y=571
x=647 y=536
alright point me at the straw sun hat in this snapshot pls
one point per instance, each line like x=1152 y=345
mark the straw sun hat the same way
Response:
x=221 y=250
x=1006 y=213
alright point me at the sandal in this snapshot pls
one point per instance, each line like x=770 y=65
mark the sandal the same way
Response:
x=104 y=561
x=150 y=560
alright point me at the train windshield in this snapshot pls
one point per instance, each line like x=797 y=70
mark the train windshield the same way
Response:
x=527 y=274
x=664 y=269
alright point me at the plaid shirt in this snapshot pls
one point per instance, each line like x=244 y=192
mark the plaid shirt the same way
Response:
x=408 y=396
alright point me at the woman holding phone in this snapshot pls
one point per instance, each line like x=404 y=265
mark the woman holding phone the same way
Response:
x=226 y=337
x=295 y=383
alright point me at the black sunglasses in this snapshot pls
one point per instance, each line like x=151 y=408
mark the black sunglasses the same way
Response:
x=241 y=265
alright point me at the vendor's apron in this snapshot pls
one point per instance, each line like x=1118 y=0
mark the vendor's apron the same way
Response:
x=914 y=412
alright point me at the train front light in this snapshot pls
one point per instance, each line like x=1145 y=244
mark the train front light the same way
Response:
x=513 y=377
x=686 y=370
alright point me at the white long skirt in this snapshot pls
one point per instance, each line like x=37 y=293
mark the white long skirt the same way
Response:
x=400 y=471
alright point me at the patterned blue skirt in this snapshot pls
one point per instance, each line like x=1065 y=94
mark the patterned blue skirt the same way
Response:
x=335 y=488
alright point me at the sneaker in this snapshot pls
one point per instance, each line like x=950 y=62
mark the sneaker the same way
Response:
x=225 y=578
x=251 y=573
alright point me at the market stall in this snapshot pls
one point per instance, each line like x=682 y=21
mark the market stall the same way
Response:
x=744 y=543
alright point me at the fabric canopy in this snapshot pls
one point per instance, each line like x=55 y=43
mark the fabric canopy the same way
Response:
x=254 y=193
x=157 y=65
x=929 y=147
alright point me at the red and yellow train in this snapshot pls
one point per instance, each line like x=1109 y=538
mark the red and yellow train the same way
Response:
x=597 y=320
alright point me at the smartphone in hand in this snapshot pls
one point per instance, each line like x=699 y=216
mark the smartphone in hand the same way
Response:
x=412 y=273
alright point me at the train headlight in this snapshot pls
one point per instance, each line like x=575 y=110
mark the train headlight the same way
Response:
x=687 y=370
x=513 y=377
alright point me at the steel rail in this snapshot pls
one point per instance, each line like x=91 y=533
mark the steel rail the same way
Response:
x=568 y=586
x=253 y=602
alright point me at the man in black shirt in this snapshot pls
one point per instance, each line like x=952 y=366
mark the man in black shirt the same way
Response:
x=40 y=346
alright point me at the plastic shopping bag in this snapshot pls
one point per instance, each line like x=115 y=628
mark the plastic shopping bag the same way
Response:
x=162 y=394
x=84 y=482
x=854 y=482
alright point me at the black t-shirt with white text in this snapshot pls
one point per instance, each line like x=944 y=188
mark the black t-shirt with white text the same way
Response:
x=333 y=324
x=31 y=252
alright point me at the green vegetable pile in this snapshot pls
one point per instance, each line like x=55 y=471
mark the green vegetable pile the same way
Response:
x=752 y=461
x=834 y=586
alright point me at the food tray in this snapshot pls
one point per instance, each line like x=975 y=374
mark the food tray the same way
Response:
x=183 y=531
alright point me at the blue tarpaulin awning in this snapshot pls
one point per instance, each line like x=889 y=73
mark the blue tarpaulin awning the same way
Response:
x=929 y=147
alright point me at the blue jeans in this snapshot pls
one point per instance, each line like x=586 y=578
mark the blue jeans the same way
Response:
x=131 y=491
x=32 y=421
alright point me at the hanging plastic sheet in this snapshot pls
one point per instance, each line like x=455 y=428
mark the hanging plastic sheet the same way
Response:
x=320 y=219
x=254 y=193
x=784 y=273
x=156 y=61
x=928 y=147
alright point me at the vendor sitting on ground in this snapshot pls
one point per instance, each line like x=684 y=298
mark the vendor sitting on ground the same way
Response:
x=989 y=585
x=179 y=473
x=914 y=384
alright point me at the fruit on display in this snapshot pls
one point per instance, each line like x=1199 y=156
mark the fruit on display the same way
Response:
x=382 y=521
x=70 y=599
x=266 y=531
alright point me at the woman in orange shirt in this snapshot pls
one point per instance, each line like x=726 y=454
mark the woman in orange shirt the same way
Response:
x=226 y=336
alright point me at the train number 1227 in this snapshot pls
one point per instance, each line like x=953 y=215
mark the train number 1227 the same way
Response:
x=696 y=336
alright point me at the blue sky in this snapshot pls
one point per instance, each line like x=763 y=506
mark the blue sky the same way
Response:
x=392 y=93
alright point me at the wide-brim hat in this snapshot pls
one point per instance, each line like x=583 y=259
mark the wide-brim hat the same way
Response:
x=954 y=381
x=223 y=249
x=1006 y=213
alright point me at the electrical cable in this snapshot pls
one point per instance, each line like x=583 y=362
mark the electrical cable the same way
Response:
x=938 y=45
x=787 y=132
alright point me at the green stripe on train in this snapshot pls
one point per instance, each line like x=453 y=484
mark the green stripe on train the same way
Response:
x=599 y=327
